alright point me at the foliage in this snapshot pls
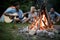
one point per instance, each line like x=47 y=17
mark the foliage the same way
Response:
x=26 y=4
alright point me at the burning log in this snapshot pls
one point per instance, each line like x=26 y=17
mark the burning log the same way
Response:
x=44 y=24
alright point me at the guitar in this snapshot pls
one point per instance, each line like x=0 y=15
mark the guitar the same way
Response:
x=9 y=19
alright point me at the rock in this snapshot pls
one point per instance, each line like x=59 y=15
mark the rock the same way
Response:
x=25 y=29
x=55 y=31
x=44 y=31
x=41 y=32
x=32 y=32
x=20 y=30
x=51 y=34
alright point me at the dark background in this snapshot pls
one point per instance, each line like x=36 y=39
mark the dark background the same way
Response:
x=26 y=4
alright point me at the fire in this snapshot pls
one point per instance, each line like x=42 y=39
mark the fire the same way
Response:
x=43 y=22
x=40 y=23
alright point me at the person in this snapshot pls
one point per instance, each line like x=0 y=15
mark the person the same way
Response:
x=54 y=15
x=2 y=18
x=15 y=8
x=32 y=14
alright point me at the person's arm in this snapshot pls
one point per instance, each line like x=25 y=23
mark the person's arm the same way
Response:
x=8 y=12
x=57 y=14
x=24 y=14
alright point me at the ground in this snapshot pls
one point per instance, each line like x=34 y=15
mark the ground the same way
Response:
x=9 y=31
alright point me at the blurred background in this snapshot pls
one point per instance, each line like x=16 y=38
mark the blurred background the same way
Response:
x=6 y=31
x=26 y=4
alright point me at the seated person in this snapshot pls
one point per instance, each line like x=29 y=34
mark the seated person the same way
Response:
x=15 y=9
x=54 y=15
x=32 y=14
x=1 y=18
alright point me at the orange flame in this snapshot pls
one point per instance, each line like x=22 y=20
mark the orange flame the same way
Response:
x=40 y=23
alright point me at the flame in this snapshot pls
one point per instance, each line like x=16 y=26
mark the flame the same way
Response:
x=40 y=23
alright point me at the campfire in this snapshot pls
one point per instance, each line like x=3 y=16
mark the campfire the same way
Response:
x=41 y=25
x=42 y=22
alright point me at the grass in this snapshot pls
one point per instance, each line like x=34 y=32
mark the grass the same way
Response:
x=8 y=33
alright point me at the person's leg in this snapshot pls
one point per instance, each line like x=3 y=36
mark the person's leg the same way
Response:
x=16 y=20
x=57 y=19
